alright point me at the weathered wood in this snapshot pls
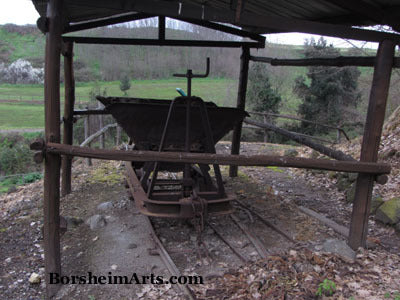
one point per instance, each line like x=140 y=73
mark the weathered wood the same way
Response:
x=266 y=222
x=371 y=141
x=86 y=128
x=253 y=239
x=336 y=154
x=51 y=194
x=340 y=61
x=38 y=157
x=86 y=112
x=335 y=226
x=241 y=257
x=241 y=104
x=118 y=138
x=106 y=22
x=157 y=42
x=66 y=162
x=90 y=139
x=101 y=125
x=221 y=159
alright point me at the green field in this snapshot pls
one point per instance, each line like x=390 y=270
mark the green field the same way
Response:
x=27 y=114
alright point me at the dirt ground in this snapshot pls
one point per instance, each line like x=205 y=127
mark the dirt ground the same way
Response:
x=122 y=244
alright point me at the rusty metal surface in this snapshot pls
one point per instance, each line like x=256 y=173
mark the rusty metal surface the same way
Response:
x=172 y=205
x=144 y=119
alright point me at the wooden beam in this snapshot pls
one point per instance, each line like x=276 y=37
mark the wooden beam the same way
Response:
x=156 y=42
x=340 y=61
x=51 y=194
x=85 y=112
x=66 y=163
x=221 y=159
x=371 y=141
x=267 y=22
x=161 y=28
x=106 y=21
x=241 y=104
x=226 y=29
x=368 y=10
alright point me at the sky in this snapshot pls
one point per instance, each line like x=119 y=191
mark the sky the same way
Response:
x=23 y=12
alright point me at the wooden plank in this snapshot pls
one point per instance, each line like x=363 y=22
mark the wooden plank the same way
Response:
x=157 y=42
x=161 y=28
x=221 y=159
x=106 y=21
x=371 y=141
x=340 y=61
x=66 y=163
x=324 y=220
x=241 y=104
x=51 y=194
x=267 y=22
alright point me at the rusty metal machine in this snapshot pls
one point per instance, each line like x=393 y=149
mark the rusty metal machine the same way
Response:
x=185 y=124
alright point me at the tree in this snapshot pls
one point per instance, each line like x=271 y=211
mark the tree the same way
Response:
x=125 y=84
x=327 y=91
x=260 y=95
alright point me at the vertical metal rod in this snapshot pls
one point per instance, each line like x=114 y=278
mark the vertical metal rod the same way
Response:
x=241 y=103
x=186 y=171
x=69 y=102
x=371 y=141
x=51 y=194
x=160 y=148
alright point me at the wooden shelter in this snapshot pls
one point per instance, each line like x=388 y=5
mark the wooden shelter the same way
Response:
x=250 y=19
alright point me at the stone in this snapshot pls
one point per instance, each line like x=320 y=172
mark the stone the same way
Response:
x=389 y=212
x=34 y=278
x=8 y=260
x=376 y=202
x=105 y=206
x=72 y=221
x=96 y=222
x=12 y=189
x=351 y=193
x=343 y=183
x=132 y=246
x=291 y=152
x=340 y=248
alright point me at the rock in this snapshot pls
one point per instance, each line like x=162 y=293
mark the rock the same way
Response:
x=105 y=206
x=343 y=183
x=352 y=176
x=351 y=193
x=132 y=246
x=34 y=278
x=291 y=153
x=389 y=212
x=340 y=248
x=110 y=219
x=8 y=260
x=96 y=222
x=376 y=202
x=12 y=189
x=72 y=221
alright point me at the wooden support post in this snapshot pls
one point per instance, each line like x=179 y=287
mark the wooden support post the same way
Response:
x=241 y=103
x=118 y=139
x=86 y=129
x=101 y=125
x=370 y=144
x=51 y=194
x=66 y=163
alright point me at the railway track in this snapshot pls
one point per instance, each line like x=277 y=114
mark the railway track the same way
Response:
x=226 y=241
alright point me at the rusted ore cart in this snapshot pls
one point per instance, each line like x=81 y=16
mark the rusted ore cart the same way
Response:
x=185 y=124
x=251 y=19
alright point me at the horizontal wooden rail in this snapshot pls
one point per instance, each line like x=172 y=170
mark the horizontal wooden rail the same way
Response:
x=340 y=61
x=85 y=112
x=208 y=158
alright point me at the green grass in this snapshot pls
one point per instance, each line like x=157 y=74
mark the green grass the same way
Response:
x=27 y=115
x=17 y=116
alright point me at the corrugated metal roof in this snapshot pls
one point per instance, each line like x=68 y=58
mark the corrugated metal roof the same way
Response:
x=382 y=12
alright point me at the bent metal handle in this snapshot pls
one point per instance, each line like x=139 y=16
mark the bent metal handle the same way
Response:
x=197 y=75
